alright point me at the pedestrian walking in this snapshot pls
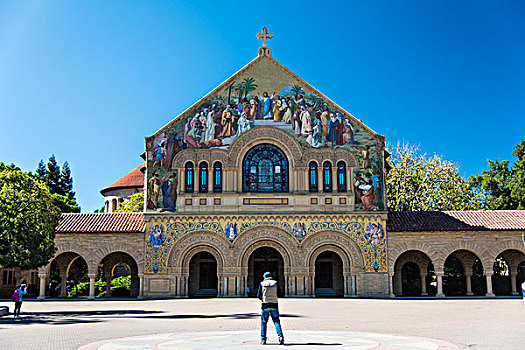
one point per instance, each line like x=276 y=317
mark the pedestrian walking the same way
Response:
x=268 y=293
x=17 y=298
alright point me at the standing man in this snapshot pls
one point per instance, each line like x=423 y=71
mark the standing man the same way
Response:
x=17 y=298
x=268 y=293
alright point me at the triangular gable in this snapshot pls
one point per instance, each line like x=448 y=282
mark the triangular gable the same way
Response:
x=244 y=72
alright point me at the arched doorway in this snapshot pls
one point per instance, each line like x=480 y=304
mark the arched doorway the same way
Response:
x=203 y=276
x=414 y=275
x=454 y=277
x=68 y=276
x=120 y=272
x=509 y=273
x=264 y=259
x=329 y=281
x=411 y=279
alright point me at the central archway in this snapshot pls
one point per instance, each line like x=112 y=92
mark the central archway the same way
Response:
x=203 y=281
x=329 y=281
x=264 y=259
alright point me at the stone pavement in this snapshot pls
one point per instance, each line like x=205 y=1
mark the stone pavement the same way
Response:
x=331 y=323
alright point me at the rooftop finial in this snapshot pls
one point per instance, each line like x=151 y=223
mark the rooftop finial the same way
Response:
x=264 y=50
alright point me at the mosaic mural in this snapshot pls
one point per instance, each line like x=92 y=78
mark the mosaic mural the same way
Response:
x=262 y=95
x=369 y=237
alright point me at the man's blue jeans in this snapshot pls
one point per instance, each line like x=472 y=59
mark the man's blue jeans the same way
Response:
x=265 y=315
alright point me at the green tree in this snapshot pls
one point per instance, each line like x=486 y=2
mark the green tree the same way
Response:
x=135 y=204
x=60 y=184
x=66 y=182
x=100 y=210
x=41 y=170
x=53 y=176
x=248 y=85
x=419 y=182
x=297 y=90
x=28 y=219
x=504 y=188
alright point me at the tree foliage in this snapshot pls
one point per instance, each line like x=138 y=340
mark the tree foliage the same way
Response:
x=28 y=219
x=60 y=184
x=504 y=187
x=419 y=182
x=135 y=204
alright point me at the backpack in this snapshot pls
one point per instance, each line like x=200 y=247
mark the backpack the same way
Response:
x=15 y=297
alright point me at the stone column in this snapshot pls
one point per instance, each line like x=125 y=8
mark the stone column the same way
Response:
x=353 y=287
x=468 y=278
x=490 y=293
x=513 y=283
x=42 y=291
x=141 y=286
x=345 y=285
x=424 y=284
x=439 y=277
x=92 y=277
x=398 y=282
x=307 y=285
x=300 y=285
x=391 y=285
x=63 y=278
x=292 y=288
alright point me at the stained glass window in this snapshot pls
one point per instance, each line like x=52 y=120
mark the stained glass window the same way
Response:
x=312 y=176
x=265 y=169
x=341 y=177
x=327 y=177
x=203 y=177
x=189 y=177
x=217 y=177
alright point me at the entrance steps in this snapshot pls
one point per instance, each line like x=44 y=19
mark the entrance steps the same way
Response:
x=325 y=293
x=206 y=293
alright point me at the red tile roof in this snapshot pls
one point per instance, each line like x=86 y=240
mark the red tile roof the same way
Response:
x=456 y=220
x=133 y=179
x=111 y=222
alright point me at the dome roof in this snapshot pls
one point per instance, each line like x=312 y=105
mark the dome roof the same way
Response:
x=133 y=179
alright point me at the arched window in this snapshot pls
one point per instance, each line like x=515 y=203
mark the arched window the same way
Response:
x=312 y=177
x=217 y=177
x=203 y=177
x=265 y=169
x=327 y=177
x=341 y=177
x=189 y=177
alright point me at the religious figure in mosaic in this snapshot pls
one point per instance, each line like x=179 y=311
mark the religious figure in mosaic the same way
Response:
x=154 y=190
x=227 y=123
x=169 y=192
x=374 y=233
x=156 y=235
x=365 y=192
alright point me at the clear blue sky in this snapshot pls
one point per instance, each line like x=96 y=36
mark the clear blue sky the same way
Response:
x=88 y=80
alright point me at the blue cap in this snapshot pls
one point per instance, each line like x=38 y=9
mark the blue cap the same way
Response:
x=267 y=274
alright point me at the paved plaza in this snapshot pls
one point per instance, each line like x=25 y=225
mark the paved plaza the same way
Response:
x=234 y=324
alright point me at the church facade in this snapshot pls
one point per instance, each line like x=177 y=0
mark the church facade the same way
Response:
x=265 y=173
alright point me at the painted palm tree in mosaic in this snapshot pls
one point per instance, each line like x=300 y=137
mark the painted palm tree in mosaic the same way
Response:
x=297 y=90
x=229 y=88
x=248 y=85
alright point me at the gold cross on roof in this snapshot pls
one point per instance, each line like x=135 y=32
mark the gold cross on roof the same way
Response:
x=264 y=35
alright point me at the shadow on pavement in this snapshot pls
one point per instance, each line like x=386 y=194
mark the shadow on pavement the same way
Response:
x=234 y=316
x=67 y=317
x=71 y=317
x=314 y=344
